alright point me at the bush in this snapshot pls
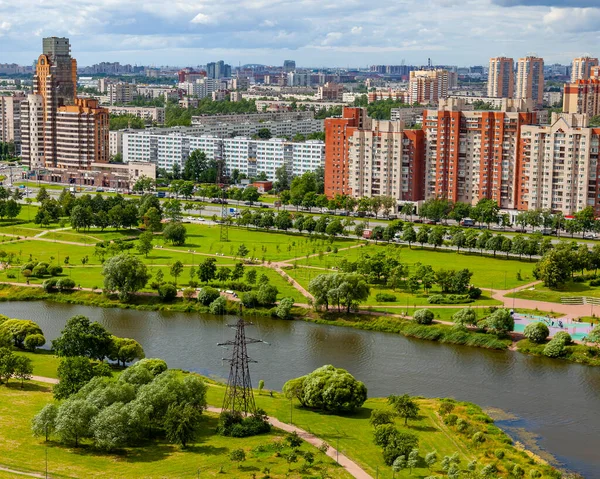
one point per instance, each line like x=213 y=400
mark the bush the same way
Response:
x=49 y=285
x=536 y=332
x=284 y=308
x=218 y=306
x=65 y=284
x=449 y=299
x=499 y=453
x=155 y=365
x=249 y=299
x=423 y=316
x=167 y=292
x=188 y=293
x=385 y=297
x=474 y=293
x=451 y=419
x=34 y=341
x=233 y=425
x=554 y=348
x=446 y=407
x=207 y=295
x=55 y=270
x=381 y=416
x=595 y=282
x=39 y=271
x=564 y=337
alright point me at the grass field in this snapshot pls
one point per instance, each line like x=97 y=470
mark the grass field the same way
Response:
x=543 y=293
x=156 y=459
x=403 y=298
x=493 y=273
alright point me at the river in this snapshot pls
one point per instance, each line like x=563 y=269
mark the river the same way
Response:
x=557 y=401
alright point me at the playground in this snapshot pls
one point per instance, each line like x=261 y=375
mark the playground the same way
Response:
x=577 y=330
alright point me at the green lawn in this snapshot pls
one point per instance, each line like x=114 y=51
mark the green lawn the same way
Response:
x=539 y=292
x=157 y=459
x=403 y=298
x=43 y=361
x=496 y=273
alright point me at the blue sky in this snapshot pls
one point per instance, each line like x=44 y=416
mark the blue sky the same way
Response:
x=312 y=32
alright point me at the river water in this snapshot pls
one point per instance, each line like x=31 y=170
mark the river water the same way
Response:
x=557 y=401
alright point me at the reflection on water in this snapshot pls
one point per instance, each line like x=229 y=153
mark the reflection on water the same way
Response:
x=553 y=400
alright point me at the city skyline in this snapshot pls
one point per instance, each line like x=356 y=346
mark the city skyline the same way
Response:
x=313 y=33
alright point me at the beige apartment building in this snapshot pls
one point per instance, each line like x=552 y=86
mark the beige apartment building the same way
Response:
x=582 y=68
x=151 y=115
x=119 y=93
x=559 y=165
x=501 y=78
x=10 y=118
x=429 y=86
x=530 y=80
x=471 y=155
x=582 y=97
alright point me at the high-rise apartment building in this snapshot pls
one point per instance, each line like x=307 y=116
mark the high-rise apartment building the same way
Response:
x=501 y=78
x=471 y=155
x=582 y=68
x=582 y=96
x=429 y=86
x=367 y=157
x=59 y=129
x=120 y=93
x=10 y=119
x=217 y=70
x=289 y=66
x=530 y=80
x=559 y=167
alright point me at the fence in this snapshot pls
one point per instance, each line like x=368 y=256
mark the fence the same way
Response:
x=578 y=300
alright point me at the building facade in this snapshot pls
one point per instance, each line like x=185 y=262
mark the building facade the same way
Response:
x=244 y=154
x=429 y=86
x=120 y=93
x=530 y=80
x=582 y=68
x=151 y=115
x=73 y=131
x=582 y=97
x=559 y=165
x=10 y=120
x=501 y=78
x=471 y=155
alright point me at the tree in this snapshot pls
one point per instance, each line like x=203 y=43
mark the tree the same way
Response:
x=144 y=183
x=500 y=321
x=251 y=276
x=554 y=269
x=381 y=416
x=176 y=233
x=207 y=270
x=18 y=330
x=413 y=459
x=7 y=364
x=430 y=459
x=125 y=350
x=43 y=423
x=459 y=240
x=73 y=373
x=182 y=423
x=144 y=245
x=261 y=386
x=242 y=251
x=466 y=316
x=408 y=234
x=267 y=294
x=23 y=369
x=126 y=274
x=238 y=272
x=167 y=292
x=80 y=337
x=111 y=427
x=152 y=219
x=327 y=388
x=404 y=406
x=42 y=195
x=176 y=270
x=536 y=332
x=399 y=464
x=284 y=308
x=74 y=419
x=423 y=235
x=423 y=316
x=172 y=210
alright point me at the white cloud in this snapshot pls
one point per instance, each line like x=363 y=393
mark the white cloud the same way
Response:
x=332 y=38
x=573 y=19
x=202 y=19
x=356 y=30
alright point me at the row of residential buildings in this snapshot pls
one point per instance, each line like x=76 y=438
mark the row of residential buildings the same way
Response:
x=464 y=155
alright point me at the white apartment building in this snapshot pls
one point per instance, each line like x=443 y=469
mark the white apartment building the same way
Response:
x=242 y=153
x=559 y=165
x=151 y=115
x=120 y=93
x=202 y=87
x=10 y=119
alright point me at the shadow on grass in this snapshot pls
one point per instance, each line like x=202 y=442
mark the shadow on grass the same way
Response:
x=27 y=386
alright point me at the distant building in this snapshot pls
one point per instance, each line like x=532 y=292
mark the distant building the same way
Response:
x=10 y=119
x=289 y=65
x=429 y=86
x=501 y=78
x=530 y=80
x=217 y=70
x=151 y=115
x=330 y=92
x=119 y=93
x=582 y=68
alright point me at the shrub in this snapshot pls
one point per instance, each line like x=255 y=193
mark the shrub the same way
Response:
x=65 y=284
x=499 y=453
x=536 y=332
x=34 y=341
x=249 y=299
x=564 y=337
x=451 y=419
x=554 y=348
x=207 y=295
x=423 y=316
x=188 y=293
x=55 y=270
x=478 y=437
x=39 y=271
x=446 y=407
x=385 y=297
x=474 y=293
x=28 y=266
x=232 y=424
x=155 y=365
x=449 y=299
x=167 y=292
x=218 y=306
x=49 y=284
x=461 y=425
x=284 y=308
x=594 y=282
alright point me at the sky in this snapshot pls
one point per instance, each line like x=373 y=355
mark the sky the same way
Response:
x=315 y=33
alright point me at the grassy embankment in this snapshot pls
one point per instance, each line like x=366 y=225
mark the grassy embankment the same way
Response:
x=351 y=434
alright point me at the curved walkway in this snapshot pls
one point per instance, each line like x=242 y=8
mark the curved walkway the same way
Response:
x=353 y=469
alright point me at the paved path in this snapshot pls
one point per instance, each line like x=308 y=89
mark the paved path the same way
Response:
x=21 y=473
x=354 y=469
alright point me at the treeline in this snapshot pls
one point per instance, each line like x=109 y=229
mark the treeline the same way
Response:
x=9 y=202
x=560 y=262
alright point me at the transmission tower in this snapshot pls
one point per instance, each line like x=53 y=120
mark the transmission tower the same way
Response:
x=238 y=395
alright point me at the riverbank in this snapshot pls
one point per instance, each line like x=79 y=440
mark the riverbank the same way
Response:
x=447 y=434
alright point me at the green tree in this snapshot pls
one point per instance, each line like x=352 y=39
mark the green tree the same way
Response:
x=207 y=270
x=23 y=369
x=464 y=317
x=182 y=423
x=125 y=350
x=237 y=455
x=413 y=459
x=423 y=316
x=111 y=427
x=144 y=245
x=176 y=270
x=500 y=321
x=73 y=421
x=152 y=220
x=81 y=337
x=404 y=406
x=126 y=274
x=284 y=308
x=43 y=423
x=42 y=195
x=430 y=459
x=176 y=233
x=251 y=276
x=536 y=332
x=242 y=251
x=7 y=364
